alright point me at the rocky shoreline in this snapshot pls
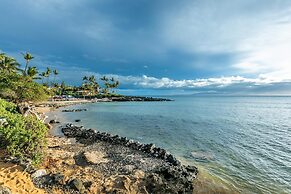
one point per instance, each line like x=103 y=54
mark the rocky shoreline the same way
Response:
x=163 y=172
x=90 y=161
x=100 y=162
x=89 y=136
x=63 y=103
x=138 y=99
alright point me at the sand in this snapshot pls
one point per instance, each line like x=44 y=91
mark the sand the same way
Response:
x=13 y=177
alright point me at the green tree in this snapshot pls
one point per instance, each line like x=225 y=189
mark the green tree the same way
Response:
x=28 y=57
x=32 y=72
x=47 y=75
x=104 y=78
x=109 y=84
x=18 y=88
x=85 y=78
x=55 y=72
x=42 y=75
x=23 y=137
x=8 y=64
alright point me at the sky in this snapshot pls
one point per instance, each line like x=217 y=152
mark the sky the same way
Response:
x=157 y=46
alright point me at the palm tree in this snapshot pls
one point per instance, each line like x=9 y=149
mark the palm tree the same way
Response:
x=85 y=78
x=104 y=78
x=42 y=75
x=117 y=83
x=27 y=56
x=55 y=72
x=85 y=82
x=47 y=74
x=8 y=64
x=94 y=86
x=92 y=79
x=63 y=87
x=32 y=72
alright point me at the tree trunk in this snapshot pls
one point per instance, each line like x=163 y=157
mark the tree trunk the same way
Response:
x=26 y=66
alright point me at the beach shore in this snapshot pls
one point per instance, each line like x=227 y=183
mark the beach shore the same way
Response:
x=109 y=164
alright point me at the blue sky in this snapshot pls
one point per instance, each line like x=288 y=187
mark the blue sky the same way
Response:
x=157 y=46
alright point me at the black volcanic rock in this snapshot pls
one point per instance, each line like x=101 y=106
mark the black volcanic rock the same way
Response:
x=167 y=176
x=74 y=110
x=137 y=99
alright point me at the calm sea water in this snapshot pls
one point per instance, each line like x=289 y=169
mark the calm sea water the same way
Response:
x=242 y=142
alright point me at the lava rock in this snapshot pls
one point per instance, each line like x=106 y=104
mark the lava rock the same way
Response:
x=171 y=159
x=155 y=184
x=77 y=185
x=53 y=121
x=192 y=169
x=74 y=110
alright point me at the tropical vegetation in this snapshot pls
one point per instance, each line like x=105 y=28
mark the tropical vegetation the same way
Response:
x=24 y=136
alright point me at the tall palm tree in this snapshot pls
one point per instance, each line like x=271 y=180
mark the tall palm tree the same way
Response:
x=47 y=75
x=94 y=86
x=92 y=79
x=116 y=84
x=8 y=64
x=28 y=57
x=42 y=75
x=55 y=72
x=85 y=82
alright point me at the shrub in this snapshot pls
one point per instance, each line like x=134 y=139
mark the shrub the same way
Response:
x=24 y=136
x=18 y=88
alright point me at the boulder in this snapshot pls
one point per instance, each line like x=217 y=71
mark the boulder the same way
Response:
x=192 y=169
x=77 y=185
x=49 y=180
x=38 y=173
x=95 y=157
x=154 y=183
x=53 y=121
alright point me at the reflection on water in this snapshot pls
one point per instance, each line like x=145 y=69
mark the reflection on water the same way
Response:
x=244 y=142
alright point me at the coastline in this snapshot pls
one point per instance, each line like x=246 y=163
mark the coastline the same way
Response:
x=148 y=165
x=65 y=160
x=204 y=182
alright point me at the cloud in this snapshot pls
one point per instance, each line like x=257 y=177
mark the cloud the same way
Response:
x=220 y=82
x=182 y=44
x=263 y=84
x=258 y=36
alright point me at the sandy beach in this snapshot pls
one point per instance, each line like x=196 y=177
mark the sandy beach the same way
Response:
x=13 y=176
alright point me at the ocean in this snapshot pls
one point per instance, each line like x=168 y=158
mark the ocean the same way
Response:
x=243 y=144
